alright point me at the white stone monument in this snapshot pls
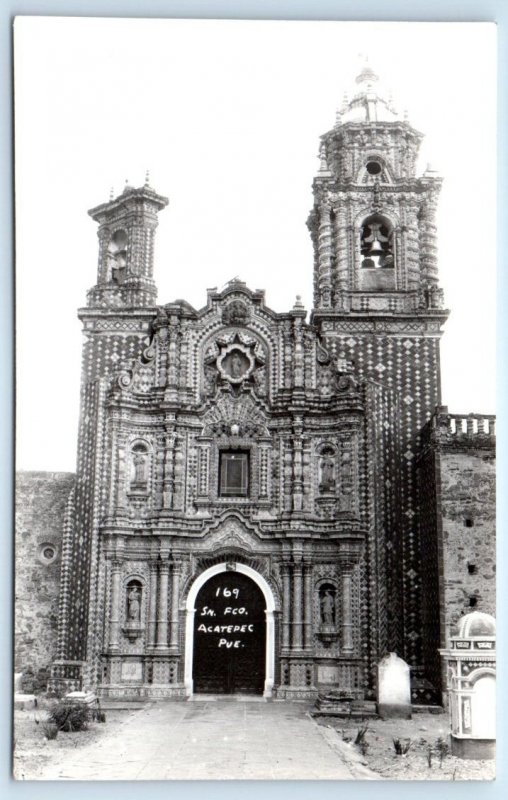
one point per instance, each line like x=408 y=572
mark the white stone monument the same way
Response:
x=471 y=672
x=393 y=688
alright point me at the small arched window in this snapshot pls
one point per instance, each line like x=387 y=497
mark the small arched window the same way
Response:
x=376 y=243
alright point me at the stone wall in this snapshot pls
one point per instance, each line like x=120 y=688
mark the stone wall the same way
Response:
x=41 y=498
x=468 y=486
x=457 y=518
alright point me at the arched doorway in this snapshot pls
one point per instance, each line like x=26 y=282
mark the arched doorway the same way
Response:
x=230 y=632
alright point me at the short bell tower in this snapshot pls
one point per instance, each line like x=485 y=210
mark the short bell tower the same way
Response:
x=126 y=234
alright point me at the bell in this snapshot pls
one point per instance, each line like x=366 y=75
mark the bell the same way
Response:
x=376 y=248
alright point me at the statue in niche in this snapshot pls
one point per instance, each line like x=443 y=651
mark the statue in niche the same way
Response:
x=134 y=605
x=327 y=477
x=236 y=364
x=327 y=607
x=140 y=468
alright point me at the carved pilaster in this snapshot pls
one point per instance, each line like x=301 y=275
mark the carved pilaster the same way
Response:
x=152 y=605
x=162 y=610
x=297 y=606
x=116 y=588
x=286 y=605
x=307 y=593
x=347 y=613
x=175 y=595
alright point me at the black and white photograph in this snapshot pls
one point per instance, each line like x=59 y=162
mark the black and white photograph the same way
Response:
x=255 y=400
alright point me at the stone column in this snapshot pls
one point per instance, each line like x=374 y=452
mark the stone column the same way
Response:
x=286 y=606
x=162 y=610
x=347 y=612
x=152 y=605
x=297 y=606
x=307 y=619
x=175 y=595
x=116 y=589
x=325 y=256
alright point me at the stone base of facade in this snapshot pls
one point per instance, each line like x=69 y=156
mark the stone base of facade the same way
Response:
x=394 y=711
x=475 y=749
x=295 y=693
x=145 y=692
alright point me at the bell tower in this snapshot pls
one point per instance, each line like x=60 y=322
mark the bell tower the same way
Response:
x=126 y=234
x=378 y=304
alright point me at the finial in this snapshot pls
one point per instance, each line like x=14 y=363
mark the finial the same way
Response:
x=111 y=193
x=406 y=115
x=147 y=178
x=298 y=306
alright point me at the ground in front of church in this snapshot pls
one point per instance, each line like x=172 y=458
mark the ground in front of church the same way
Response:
x=235 y=739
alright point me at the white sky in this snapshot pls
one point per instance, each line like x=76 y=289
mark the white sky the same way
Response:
x=227 y=116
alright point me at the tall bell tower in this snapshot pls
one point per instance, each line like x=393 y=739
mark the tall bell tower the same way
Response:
x=378 y=304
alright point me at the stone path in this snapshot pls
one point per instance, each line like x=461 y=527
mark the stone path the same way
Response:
x=210 y=739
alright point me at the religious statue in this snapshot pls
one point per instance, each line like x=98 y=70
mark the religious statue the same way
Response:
x=140 y=473
x=328 y=607
x=327 y=474
x=133 y=605
x=236 y=365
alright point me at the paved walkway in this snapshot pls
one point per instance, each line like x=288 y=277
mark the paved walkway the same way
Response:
x=209 y=739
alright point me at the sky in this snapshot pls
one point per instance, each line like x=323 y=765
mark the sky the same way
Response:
x=226 y=116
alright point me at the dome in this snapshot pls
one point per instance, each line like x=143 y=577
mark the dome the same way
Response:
x=476 y=624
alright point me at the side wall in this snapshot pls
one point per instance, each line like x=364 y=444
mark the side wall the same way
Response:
x=41 y=499
x=468 y=496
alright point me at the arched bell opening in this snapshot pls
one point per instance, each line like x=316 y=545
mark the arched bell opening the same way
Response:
x=377 y=253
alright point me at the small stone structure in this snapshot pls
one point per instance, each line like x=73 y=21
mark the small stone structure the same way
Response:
x=471 y=670
x=393 y=688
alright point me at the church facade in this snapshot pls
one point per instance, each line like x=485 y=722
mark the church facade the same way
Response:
x=246 y=515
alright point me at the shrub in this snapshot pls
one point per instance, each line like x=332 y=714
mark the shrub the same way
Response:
x=401 y=746
x=50 y=730
x=68 y=716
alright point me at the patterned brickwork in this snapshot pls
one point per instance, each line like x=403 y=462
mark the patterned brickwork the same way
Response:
x=40 y=549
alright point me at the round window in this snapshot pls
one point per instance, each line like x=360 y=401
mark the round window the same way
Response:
x=373 y=167
x=47 y=553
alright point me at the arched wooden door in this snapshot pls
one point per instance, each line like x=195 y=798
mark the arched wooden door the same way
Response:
x=229 y=636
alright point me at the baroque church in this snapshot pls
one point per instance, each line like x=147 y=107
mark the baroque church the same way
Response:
x=266 y=503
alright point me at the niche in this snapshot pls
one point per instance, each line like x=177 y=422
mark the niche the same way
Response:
x=139 y=468
x=327 y=613
x=327 y=470
x=133 y=598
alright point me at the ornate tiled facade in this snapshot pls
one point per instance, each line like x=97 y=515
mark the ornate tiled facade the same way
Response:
x=318 y=422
